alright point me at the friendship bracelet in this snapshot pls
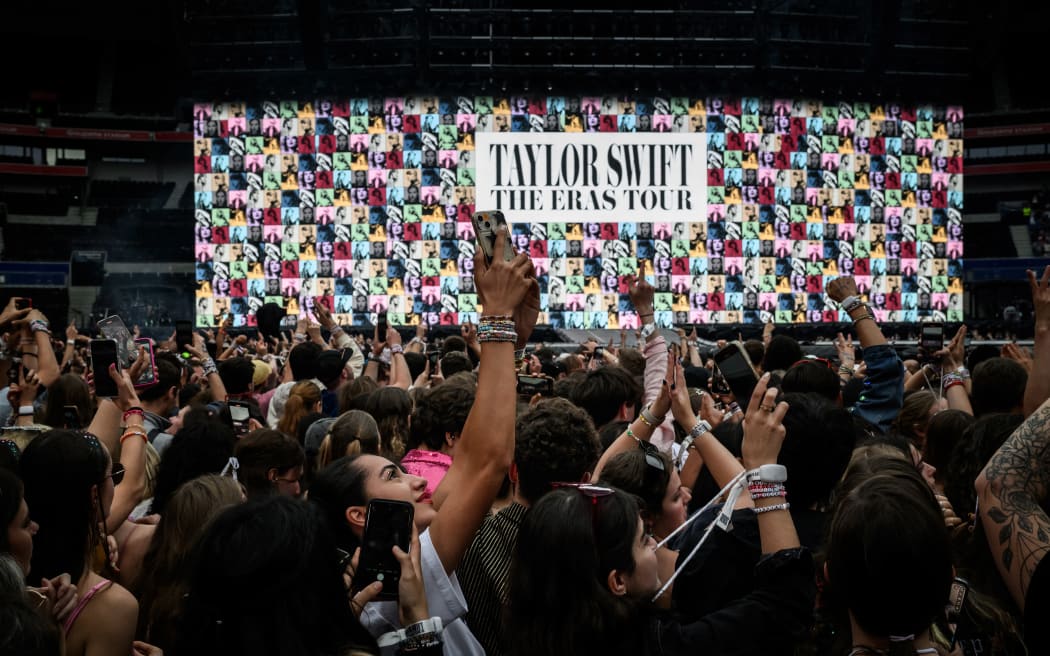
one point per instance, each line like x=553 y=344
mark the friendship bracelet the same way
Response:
x=129 y=434
x=769 y=494
x=498 y=336
x=133 y=410
x=496 y=317
x=779 y=506
x=397 y=348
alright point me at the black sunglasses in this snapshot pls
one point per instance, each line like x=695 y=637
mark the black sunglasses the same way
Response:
x=652 y=457
x=117 y=474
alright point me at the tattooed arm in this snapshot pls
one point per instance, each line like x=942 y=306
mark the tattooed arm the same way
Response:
x=1009 y=491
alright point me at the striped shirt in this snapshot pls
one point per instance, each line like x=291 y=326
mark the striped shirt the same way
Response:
x=483 y=575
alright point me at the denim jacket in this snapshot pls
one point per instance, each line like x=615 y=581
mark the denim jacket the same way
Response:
x=883 y=395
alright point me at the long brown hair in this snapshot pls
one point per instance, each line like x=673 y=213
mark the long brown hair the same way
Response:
x=302 y=400
x=164 y=568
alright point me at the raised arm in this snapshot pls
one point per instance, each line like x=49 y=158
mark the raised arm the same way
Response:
x=883 y=394
x=655 y=351
x=211 y=372
x=763 y=436
x=131 y=452
x=46 y=364
x=399 y=373
x=486 y=448
x=1038 y=388
x=954 y=383
x=1010 y=493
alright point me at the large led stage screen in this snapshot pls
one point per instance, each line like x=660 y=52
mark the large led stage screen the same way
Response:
x=736 y=209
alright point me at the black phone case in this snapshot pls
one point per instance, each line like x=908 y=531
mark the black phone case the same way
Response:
x=378 y=563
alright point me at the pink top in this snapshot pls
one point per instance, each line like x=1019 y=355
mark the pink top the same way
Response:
x=104 y=583
x=655 y=353
x=431 y=465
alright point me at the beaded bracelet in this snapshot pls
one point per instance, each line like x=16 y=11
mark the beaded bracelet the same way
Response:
x=496 y=317
x=397 y=348
x=133 y=410
x=779 y=506
x=766 y=491
x=133 y=433
x=495 y=324
x=498 y=336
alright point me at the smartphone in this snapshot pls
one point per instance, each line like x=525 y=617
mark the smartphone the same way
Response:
x=240 y=412
x=149 y=374
x=387 y=523
x=529 y=386
x=23 y=303
x=183 y=336
x=435 y=359
x=113 y=328
x=70 y=417
x=485 y=224
x=104 y=353
x=931 y=337
x=382 y=325
x=735 y=366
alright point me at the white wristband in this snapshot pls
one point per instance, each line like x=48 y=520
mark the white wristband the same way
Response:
x=25 y=410
x=432 y=625
x=768 y=474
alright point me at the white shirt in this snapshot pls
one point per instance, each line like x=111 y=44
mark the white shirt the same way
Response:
x=444 y=599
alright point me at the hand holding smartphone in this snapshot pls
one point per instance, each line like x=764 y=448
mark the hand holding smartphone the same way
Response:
x=103 y=354
x=486 y=223
x=387 y=524
x=240 y=413
x=735 y=367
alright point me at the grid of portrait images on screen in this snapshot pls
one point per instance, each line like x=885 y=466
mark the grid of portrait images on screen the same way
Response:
x=364 y=205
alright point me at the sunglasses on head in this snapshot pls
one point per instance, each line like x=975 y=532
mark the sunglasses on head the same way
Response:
x=117 y=474
x=593 y=492
x=815 y=360
x=652 y=455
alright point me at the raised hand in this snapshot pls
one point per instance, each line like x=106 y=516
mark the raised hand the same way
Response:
x=509 y=288
x=1040 y=297
x=763 y=426
x=11 y=313
x=841 y=288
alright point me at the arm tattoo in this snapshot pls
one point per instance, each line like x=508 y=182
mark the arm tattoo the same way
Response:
x=1019 y=476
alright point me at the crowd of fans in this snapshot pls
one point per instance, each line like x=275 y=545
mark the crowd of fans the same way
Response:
x=614 y=500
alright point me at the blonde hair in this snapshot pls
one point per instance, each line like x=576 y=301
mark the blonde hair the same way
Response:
x=301 y=401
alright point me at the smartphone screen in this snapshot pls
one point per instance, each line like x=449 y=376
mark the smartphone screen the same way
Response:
x=23 y=303
x=435 y=358
x=183 y=335
x=736 y=368
x=149 y=374
x=113 y=328
x=485 y=224
x=932 y=338
x=103 y=354
x=529 y=386
x=239 y=415
x=382 y=325
x=387 y=523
